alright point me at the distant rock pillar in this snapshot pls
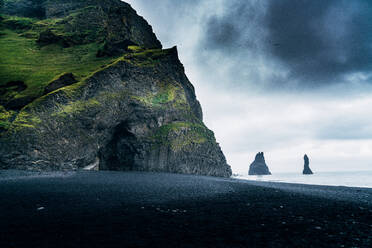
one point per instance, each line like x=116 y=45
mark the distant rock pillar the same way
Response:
x=307 y=170
x=259 y=167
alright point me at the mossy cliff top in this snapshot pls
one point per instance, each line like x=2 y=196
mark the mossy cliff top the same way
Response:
x=86 y=35
x=86 y=84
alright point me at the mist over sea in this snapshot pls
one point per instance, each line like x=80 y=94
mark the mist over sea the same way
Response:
x=345 y=178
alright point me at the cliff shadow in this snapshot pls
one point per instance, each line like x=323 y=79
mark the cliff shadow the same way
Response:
x=120 y=152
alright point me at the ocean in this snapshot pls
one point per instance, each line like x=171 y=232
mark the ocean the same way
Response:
x=345 y=178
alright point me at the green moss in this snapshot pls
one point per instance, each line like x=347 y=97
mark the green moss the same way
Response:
x=180 y=135
x=25 y=119
x=82 y=26
x=4 y=125
x=146 y=58
x=45 y=23
x=76 y=107
x=12 y=121
x=5 y=118
x=167 y=93
x=23 y=60
x=18 y=23
x=135 y=49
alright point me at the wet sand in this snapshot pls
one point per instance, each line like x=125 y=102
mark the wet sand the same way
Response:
x=131 y=209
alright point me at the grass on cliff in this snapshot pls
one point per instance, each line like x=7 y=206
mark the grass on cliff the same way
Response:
x=146 y=58
x=10 y=119
x=167 y=92
x=5 y=118
x=22 y=59
x=181 y=135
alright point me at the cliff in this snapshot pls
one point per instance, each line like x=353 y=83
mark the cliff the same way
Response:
x=259 y=167
x=86 y=84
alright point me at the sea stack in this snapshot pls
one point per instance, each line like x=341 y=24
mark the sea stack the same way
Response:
x=307 y=170
x=259 y=167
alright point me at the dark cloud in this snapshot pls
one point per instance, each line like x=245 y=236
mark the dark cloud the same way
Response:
x=246 y=59
x=234 y=29
x=279 y=44
x=317 y=41
x=321 y=40
x=222 y=33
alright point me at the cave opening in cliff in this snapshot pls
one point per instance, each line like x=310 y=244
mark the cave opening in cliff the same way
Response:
x=120 y=152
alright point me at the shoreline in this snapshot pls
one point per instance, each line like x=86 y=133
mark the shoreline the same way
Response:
x=24 y=174
x=138 y=209
x=301 y=183
x=354 y=179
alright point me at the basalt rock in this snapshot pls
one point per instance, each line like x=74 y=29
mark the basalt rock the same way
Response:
x=13 y=85
x=47 y=37
x=259 y=167
x=27 y=8
x=307 y=170
x=62 y=81
x=83 y=21
x=133 y=115
x=138 y=112
x=9 y=90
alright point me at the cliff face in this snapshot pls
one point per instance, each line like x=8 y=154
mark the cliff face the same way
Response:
x=259 y=167
x=120 y=102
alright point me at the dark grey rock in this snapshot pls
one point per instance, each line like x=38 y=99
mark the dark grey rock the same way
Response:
x=64 y=80
x=307 y=170
x=259 y=167
x=17 y=86
x=18 y=103
x=7 y=93
x=27 y=8
x=47 y=37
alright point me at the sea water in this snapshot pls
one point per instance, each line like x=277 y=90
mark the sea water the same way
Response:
x=346 y=178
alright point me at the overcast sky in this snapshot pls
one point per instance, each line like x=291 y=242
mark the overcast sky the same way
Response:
x=280 y=76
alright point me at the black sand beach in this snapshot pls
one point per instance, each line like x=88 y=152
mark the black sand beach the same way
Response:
x=108 y=209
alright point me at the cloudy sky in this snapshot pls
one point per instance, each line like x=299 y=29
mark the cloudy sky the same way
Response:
x=284 y=77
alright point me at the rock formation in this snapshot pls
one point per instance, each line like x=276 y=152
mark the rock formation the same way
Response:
x=307 y=170
x=259 y=167
x=62 y=81
x=131 y=108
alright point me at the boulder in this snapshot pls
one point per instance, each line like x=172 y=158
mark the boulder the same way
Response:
x=62 y=81
x=48 y=37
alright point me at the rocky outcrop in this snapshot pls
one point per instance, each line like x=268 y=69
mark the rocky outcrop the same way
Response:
x=138 y=112
x=307 y=170
x=62 y=81
x=7 y=93
x=27 y=8
x=112 y=22
x=259 y=167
